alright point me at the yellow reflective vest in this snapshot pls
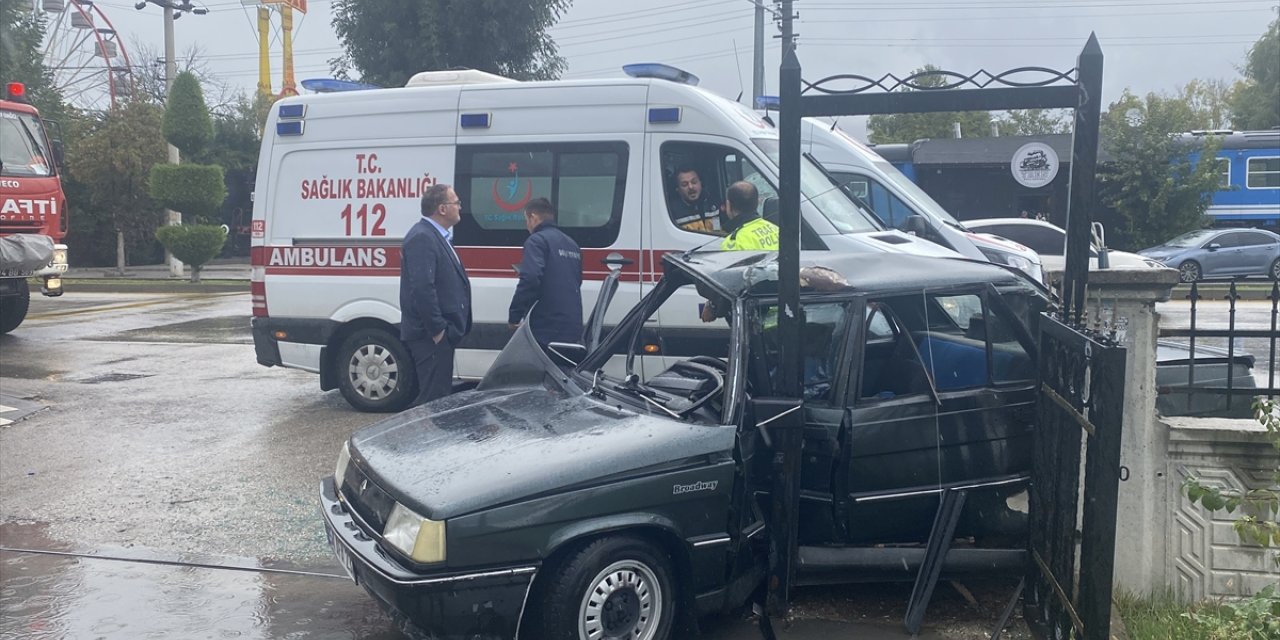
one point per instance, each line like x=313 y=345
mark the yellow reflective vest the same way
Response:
x=756 y=235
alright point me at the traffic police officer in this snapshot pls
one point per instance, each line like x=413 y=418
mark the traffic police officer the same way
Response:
x=550 y=276
x=747 y=230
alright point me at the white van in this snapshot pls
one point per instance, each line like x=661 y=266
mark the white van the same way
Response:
x=895 y=199
x=340 y=177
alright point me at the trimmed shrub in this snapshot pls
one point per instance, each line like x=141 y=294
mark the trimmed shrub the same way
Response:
x=194 y=189
x=195 y=244
x=187 y=124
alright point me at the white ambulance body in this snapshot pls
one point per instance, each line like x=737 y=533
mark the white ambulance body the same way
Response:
x=341 y=175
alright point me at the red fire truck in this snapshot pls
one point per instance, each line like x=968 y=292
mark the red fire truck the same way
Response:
x=33 y=209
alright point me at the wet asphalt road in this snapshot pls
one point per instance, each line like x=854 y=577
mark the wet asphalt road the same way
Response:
x=159 y=483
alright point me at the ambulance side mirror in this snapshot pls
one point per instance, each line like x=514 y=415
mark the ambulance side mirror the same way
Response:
x=59 y=155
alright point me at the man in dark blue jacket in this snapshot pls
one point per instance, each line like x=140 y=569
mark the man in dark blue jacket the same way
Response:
x=435 y=294
x=551 y=276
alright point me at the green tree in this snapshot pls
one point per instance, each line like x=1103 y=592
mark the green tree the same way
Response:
x=110 y=164
x=1210 y=101
x=387 y=41
x=909 y=127
x=1255 y=103
x=21 y=32
x=1151 y=182
x=1034 y=122
x=187 y=124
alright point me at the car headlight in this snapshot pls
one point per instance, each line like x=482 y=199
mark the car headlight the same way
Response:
x=415 y=536
x=340 y=471
x=59 y=254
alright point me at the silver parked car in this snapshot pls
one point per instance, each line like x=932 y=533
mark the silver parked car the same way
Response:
x=1220 y=253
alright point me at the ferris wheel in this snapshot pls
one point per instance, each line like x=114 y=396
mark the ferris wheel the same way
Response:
x=85 y=54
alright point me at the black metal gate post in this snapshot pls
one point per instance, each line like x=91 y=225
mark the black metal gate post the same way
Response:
x=787 y=485
x=1084 y=162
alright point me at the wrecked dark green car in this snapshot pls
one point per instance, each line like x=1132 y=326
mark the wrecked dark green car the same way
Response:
x=620 y=489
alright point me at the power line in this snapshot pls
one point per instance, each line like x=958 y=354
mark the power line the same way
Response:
x=987 y=4
x=1004 y=18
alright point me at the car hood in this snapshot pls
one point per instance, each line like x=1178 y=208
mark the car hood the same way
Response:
x=481 y=449
x=1174 y=354
x=1161 y=251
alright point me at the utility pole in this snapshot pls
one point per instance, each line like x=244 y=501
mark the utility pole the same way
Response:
x=757 y=76
x=172 y=11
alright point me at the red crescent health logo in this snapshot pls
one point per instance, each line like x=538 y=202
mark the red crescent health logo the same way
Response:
x=509 y=206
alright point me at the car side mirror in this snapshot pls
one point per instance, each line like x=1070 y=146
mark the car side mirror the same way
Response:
x=769 y=209
x=916 y=224
x=1213 y=246
x=59 y=155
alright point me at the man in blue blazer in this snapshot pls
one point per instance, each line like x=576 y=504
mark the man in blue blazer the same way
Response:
x=435 y=294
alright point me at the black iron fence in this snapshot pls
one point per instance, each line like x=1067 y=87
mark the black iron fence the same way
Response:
x=1076 y=446
x=1205 y=370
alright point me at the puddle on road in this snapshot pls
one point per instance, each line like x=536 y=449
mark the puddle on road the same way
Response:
x=219 y=330
x=51 y=597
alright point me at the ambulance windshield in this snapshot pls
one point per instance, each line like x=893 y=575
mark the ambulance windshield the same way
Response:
x=826 y=196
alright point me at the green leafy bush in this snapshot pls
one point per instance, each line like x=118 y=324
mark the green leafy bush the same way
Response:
x=187 y=124
x=194 y=189
x=193 y=244
x=1256 y=618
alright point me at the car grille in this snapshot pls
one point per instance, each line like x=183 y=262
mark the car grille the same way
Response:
x=366 y=498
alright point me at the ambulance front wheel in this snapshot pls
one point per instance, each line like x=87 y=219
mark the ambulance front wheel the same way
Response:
x=375 y=371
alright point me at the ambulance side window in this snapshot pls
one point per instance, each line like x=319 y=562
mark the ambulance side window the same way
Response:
x=695 y=206
x=585 y=180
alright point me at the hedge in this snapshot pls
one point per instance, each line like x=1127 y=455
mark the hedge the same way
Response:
x=194 y=189
x=187 y=124
x=194 y=244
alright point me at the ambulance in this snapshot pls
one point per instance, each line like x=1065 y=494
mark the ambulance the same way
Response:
x=341 y=175
x=900 y=204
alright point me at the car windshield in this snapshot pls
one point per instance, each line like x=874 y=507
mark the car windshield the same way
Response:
x=678 y=367
x=22 y=147
x=844 y=214
x=1191 y=239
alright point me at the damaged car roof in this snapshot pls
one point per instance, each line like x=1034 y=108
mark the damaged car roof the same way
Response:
x=736 y=273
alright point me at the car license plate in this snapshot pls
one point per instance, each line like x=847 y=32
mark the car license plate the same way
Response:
x=340 y=552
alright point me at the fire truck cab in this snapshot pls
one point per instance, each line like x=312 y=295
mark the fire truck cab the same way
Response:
x=33 y=208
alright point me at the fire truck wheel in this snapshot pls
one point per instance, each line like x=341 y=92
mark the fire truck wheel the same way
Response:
x=13 y=309
x=375 y=372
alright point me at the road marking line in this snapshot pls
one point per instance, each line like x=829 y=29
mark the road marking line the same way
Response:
x=4 y=422
x=5 y=409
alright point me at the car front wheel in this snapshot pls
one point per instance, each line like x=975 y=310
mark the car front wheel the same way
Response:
x=1275 y=269
x=613 y=588
x=1189 y=271
x=375 y=372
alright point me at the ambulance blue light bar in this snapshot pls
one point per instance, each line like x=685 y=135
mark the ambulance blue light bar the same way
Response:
x=661 y=72
x=765 y=103
x=475 y=121
x=333 y=85
x=292 y=111
x=664 y=115
x=289 y=128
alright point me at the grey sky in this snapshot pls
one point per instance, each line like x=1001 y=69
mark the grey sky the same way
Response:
x=1149 y=45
